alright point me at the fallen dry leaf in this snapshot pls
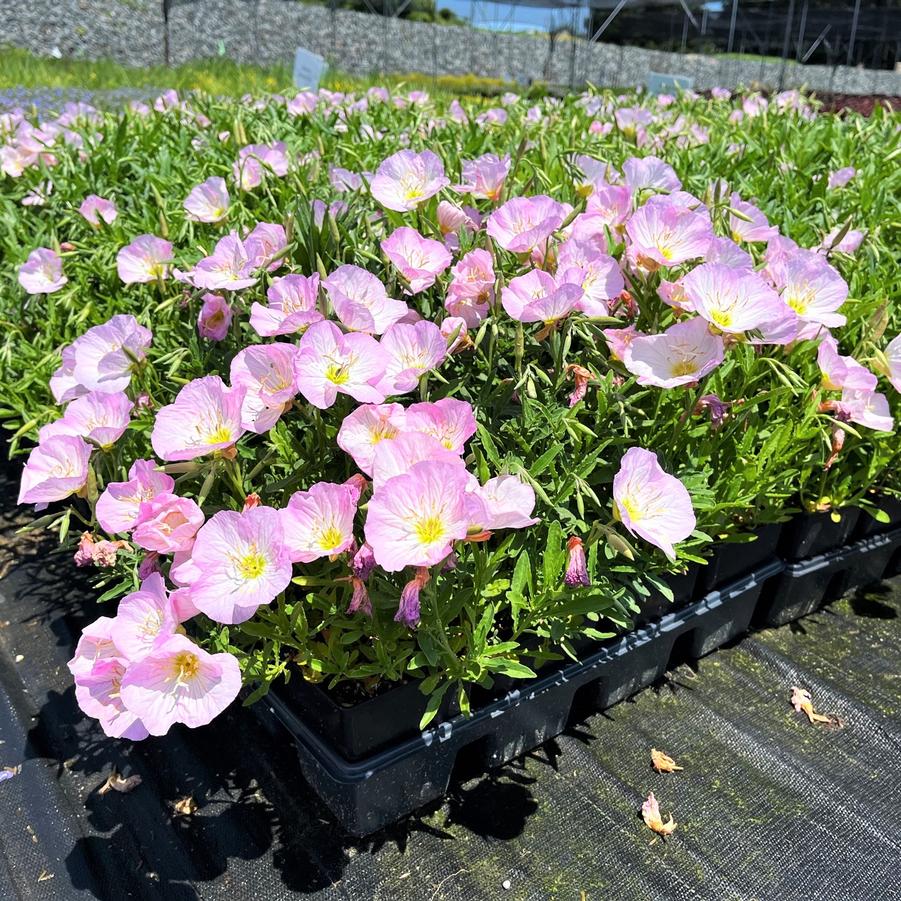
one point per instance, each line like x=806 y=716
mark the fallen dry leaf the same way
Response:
x=803 y=703
x=184 y=807
x=118 y=783
x=663 y=763
x=7 y=772
x=650 y=813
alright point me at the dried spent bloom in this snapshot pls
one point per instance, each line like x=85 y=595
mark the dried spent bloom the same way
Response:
x=663 y=763
x=650 y=503
x=576 y=567
x=408 y=608
x=650 y=813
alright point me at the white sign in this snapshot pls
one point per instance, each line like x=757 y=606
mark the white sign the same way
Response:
x=308 y=69
x=668 y=84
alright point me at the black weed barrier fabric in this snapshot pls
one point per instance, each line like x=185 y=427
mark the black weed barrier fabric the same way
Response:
x=768 y=805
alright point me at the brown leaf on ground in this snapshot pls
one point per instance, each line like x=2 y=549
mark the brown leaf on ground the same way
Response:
x=184 y=807
x=650 y=813
x=802 y=701
x=663 y=763
x=118 y=783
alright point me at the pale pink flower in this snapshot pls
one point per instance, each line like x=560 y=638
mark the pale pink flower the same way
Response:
x=229 y=268
x=472 y=287
x=265 y=245
x=649 y=174
x=505 y=502
x=451 y=220
x=651 y=503
x=413 y=519
x=167 y=523
x=662 y=234
x=537 y=297
x=95 y=209
x=343 y=180
x=596 y=273
x=302 y=104
x=814 y=290
x=98 y=416
x=412 y=349
x=630 y=119
x=292 y=306
x=143 y=618
x=842 y=372
x=609 y=205
x=406 y=179
x=95 y=644
x=400 y=455
x=102 y=358
x=866 y=407
x=145 y=260
x=419 y=260
x=215 y=318
x=266 y=373
x=179 y=682
x=55 y=469
x=368 y=425
x=681 y=355
x=727 y=253
x=208 y=201
x=484 y=177
x=319 y=522
x=619 y=339
x=117 y=508
x=718 y=93
x=330 y=362
x=840 y=177
x=449 y=421
x=361 y=301
x=523 y=223
x=757 y=229
x=204 y=417
x=42 y=272
x=893 y=360
x=98 y=693
x=733 y=300
x=256 y=160
x=850 y=242
x=239 y=562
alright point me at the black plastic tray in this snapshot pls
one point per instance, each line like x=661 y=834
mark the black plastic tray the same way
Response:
x=805 y=585
x=731 y=561
x=868 y=525
x=368 y=794
x=811 y=534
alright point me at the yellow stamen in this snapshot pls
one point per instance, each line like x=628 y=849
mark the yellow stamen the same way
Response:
x=429 y=529
x=252 y=565
x=185 y=666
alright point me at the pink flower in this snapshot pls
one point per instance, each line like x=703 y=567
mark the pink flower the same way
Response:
x=319 y=522
x=419 y=260
x=144 y=618
x=42 y=272
x=576 y=567
x=215 y=318
x=413 y=519
x=99 y=417
x=239 y=562
x=95 y=209
x=55 y=469
x=105 y=355
x=840 y=177
x=266 y=372
x=727 y=253
x=597 y=274
x=145 y=260
x=537 y=297
x=406 y=179
x=484 y=177
x=167 y=523
x=523 y=223
x=814 y=290
x=412 y=349
x=504 y=502
x=361 y=301
x=666 y=234
x=330 y=362
x=368 y=425
x=179 y=682
x=683 y=354
x=472 y=287
x=842 y=372
x=619 y=339
x=399 y=456
x=849 y=243
x=649 y=174
x=256 y=159
x=733 y=300
x=95 y=644
x=343 y=180
x=752 y=225
x=867 y=408
x=229 y=268
x=893 y=361
x=449 y=421
x=265 y=245
x=118 y=507
x=204 y=417
x=208 y=202
x=292 y=306
x=98 y=693
x=408 y=608
x=651 y=503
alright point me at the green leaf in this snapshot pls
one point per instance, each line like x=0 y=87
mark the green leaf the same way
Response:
x=433 y=705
